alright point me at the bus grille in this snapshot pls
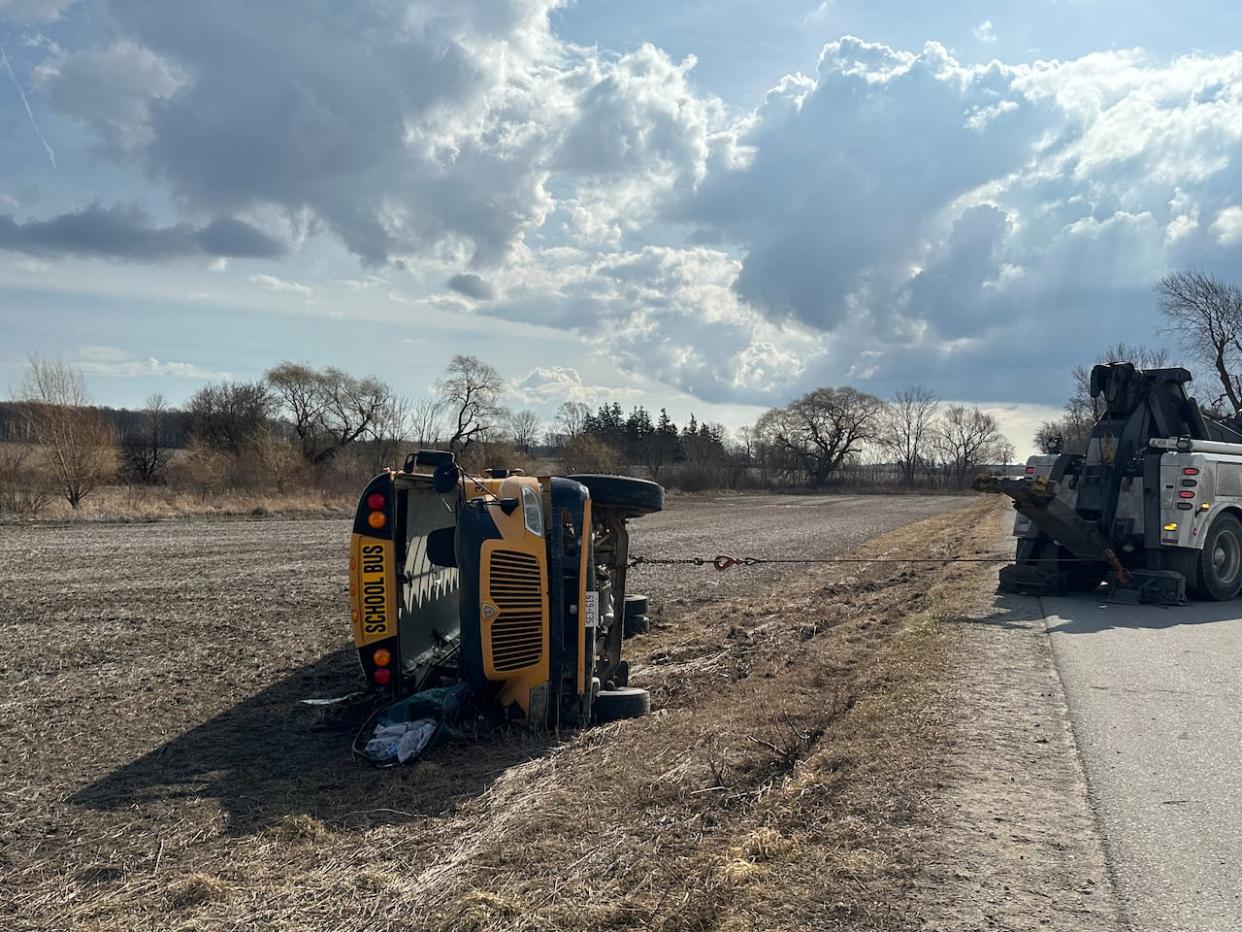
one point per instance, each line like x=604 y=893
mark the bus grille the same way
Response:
x=517 y=631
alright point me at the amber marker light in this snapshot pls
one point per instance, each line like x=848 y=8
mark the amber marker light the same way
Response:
x=382 y=657
x=377 y=519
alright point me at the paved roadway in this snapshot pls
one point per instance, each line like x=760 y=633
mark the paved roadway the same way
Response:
x=1156 y=701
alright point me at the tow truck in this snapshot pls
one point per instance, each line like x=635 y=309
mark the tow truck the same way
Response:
x=507 y=587
x=1154 y=505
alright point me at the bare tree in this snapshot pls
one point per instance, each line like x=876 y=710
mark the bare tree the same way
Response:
x=392 y=430
x=570 y=420
x=822 y=428
x=909 y=428
x=588 y=454
x=329 y=408
x=1205 y=314
x=745 y=445
x=79 y=441
x=230 y=415
x=966 y=438
x=24 y=488
x=148 y=446
x=471 y=391
x=427 y=421
x=524 y=425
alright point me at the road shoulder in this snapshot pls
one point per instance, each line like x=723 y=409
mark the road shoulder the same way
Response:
x=1018 y=845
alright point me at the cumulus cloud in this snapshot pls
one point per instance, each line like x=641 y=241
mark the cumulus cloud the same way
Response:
x=113 y=362
x=447 y=129
x=895 y=215
x=1228 y=226
x=550 y=386
x=110 y=90
x=984 y=31
x=941 y=219
x=127 y=232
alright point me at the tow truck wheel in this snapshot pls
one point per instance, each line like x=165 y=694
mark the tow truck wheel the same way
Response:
x=1220 y=561
x=613 y=705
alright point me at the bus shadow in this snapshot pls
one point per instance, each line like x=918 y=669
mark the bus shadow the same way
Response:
x=270 y=758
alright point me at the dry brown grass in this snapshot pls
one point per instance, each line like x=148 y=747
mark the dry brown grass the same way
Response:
x=782 y=784
x=153 y=503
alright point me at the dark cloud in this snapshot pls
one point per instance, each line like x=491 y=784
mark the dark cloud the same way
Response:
x=123 y=232
x=472 y=286
x=236 y=239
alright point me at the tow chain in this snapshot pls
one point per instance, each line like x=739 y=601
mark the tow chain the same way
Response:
x=723 y=562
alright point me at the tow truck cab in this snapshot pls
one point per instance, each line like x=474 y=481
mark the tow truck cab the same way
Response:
x=488 y=580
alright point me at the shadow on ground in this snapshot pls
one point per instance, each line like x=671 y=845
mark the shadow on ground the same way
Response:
x=1091 y=613
x=270 y=757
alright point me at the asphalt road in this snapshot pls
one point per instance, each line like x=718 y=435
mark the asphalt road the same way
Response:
x=1156 y=701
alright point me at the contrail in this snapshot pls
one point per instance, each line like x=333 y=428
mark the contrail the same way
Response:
x=4 y=59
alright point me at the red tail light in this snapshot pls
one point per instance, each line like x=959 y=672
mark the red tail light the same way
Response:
x=376 y=501
x=1186 y=493
x=382 y=676
x=1190 y=471
x=1030 y=470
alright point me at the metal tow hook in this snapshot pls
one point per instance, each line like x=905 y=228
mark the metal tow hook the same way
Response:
x=723 y=562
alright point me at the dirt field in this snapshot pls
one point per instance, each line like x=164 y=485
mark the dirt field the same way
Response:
x=156 y=770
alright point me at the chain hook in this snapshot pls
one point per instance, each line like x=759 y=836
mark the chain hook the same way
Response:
x=723 y=562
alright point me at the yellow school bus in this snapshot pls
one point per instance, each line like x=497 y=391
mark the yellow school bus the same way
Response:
x=512 y=584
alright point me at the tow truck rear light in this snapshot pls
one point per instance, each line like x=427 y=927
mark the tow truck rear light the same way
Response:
x=1030 y=470
x=1171 y=526
x=382 y=657
x=1190 y=471
x=382 y=676
x=1186 y=493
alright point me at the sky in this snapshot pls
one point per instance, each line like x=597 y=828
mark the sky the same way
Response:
x=705 y=206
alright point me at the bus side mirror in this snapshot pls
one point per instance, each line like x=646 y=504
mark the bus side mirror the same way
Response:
x=445 y=478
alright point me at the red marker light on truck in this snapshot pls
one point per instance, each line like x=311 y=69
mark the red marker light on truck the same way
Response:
x=1186 y=493
x=1030 y=470
x=376 y=501
x=382 y=676
x=1190 y=471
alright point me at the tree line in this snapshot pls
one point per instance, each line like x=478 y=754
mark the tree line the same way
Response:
x=301 y=426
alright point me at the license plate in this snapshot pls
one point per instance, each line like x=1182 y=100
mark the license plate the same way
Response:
x=592 y=609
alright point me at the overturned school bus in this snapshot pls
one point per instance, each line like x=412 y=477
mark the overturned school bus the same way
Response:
x=510 y=584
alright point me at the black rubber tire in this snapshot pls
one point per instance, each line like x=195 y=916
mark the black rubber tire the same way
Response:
x=633 y=496
x=637 y=605
x=634 y=625
x=613 y=705
x=621 y=676
x=1220 y=561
